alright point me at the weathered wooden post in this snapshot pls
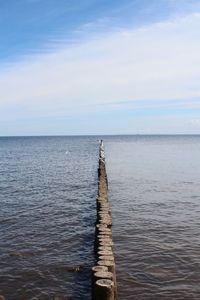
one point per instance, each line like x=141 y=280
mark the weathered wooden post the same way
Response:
x=104 y=289
x=104 y=276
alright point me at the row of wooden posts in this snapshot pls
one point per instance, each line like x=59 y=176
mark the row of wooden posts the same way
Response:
x=104 y=285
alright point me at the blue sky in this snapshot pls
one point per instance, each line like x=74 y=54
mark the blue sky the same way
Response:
x=28 y=25
x=99 y=67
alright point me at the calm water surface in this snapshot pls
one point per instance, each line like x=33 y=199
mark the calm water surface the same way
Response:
x=48 y=187
x=155 y=196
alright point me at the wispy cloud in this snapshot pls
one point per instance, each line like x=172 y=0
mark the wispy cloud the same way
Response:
x=195 y=122
x=159 y=62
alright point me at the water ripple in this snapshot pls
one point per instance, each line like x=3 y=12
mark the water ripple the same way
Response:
x=154 y=193
x=47 y=216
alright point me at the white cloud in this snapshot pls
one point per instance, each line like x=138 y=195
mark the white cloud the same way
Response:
x=156 y=62
x=195 y=122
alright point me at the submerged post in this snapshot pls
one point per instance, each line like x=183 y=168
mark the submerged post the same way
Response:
x=104 y=285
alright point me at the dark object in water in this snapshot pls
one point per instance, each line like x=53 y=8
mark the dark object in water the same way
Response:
x=21 y=254
x=73 y=269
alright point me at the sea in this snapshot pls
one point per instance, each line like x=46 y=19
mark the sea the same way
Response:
x=48 y=190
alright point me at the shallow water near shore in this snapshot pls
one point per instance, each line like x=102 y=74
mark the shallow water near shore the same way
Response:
x=48 y=187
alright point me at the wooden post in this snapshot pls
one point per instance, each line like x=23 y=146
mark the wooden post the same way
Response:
x=104 y=285
x=104 y=289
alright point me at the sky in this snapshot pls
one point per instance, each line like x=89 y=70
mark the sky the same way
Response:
x=74 y=67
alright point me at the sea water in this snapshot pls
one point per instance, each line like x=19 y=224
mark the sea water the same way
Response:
x=48 y=187
x=154 y=189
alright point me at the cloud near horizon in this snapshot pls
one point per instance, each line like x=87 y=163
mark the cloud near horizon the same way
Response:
x=159 y=62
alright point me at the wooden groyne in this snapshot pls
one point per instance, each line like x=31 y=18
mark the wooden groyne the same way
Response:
x=104 y=284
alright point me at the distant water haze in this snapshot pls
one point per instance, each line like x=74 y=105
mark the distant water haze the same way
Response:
x=48 y=188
